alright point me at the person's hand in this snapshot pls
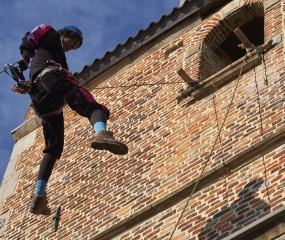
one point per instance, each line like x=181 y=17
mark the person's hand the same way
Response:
x=22 y=87
x=23 y=63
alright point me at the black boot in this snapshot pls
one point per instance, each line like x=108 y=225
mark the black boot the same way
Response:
x=39 y=205
x=104 y=140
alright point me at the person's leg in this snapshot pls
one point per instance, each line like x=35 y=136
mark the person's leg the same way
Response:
x=39 y=204
x=98 y=120
x=53 y=130
x=82 y=101
x=44 y=174
x=104 y=139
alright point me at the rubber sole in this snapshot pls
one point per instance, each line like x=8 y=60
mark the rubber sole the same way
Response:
x=39 y=213
x=39 y=206
x=115 y=148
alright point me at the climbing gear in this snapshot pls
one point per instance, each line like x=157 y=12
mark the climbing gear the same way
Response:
x=104 y=140
x=39 y=205
x=22 y=85
x=75 y=30
x=50 y=66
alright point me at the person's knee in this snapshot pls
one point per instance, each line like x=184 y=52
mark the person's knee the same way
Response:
x=82 y=102
x=106 y=111
x=54 y=151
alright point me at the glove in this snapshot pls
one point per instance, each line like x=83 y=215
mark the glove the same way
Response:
x=22 y=87
x=23 y=63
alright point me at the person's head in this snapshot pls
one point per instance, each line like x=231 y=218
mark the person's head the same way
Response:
x=71 y=38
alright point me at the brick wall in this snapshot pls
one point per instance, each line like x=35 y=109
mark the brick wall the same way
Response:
x=169 y=147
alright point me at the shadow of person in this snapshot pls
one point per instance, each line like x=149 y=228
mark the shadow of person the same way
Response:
x=243 y=211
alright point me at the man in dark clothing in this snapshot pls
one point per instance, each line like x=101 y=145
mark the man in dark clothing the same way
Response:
x=52 y=87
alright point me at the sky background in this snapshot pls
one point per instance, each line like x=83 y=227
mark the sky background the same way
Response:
x=104 y=24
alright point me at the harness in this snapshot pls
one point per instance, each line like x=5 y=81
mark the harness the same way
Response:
x=24 y=86
x=50 y=66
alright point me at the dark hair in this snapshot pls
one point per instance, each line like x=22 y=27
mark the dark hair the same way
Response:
x=70 y=34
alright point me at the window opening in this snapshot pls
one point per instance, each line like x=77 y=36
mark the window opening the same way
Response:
x=254 y=30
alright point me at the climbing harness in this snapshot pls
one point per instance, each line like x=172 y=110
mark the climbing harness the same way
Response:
x=51 y=66
x=24 y=86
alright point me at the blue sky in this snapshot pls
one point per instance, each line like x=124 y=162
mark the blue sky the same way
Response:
x=104 y=24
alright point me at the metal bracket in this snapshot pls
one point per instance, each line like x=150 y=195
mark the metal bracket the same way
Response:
x=56 y=218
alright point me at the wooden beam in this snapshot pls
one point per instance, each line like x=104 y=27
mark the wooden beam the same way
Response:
x=244 y=40
x=185 y=76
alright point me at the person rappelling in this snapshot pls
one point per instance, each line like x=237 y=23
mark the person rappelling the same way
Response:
x=52 y=86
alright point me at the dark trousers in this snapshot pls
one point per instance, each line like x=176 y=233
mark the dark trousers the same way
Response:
x=49 y=96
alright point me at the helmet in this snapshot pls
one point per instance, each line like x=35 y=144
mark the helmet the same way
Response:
x=75 y=30
x=71 y=31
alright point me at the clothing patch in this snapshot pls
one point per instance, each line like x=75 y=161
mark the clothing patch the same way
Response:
x=37 y=32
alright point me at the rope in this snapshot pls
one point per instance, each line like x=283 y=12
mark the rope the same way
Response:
x=207 y=160
x=264 y=70
x=222 y=152
x=140 y=85
x=107 y=87
x=6 y=68
x=262 y=135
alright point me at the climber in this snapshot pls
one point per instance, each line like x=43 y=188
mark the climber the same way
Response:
x=52 y=87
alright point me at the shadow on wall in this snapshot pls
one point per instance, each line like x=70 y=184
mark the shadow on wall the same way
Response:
x=243 y=211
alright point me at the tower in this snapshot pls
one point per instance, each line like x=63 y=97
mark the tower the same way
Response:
x=203 y=119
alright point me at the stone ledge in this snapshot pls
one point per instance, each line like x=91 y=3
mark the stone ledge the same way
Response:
x=269 y=3
x=11 y=177
x=8 y=187
x=3 y=221
x=269 y=143
x=26 y=127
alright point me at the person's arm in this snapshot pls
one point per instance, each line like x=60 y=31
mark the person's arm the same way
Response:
x=40 y=37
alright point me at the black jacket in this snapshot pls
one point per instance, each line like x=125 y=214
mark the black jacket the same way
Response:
x=43 y=43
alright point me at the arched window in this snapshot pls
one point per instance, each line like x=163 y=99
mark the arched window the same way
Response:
x=254 y=30
x=221 y=45
x=220 y=48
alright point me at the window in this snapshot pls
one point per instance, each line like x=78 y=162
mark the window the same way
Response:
x=254 y=30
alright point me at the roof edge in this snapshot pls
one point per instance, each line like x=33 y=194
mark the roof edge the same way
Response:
x=132 y=44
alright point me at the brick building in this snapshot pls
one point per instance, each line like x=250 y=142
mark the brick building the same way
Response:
x=203 y=118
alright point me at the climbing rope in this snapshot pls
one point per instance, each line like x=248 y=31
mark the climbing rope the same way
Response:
x=139 y=85
x=212 y=149
x=9 y=66
x=262 y=134
x=221 y=149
